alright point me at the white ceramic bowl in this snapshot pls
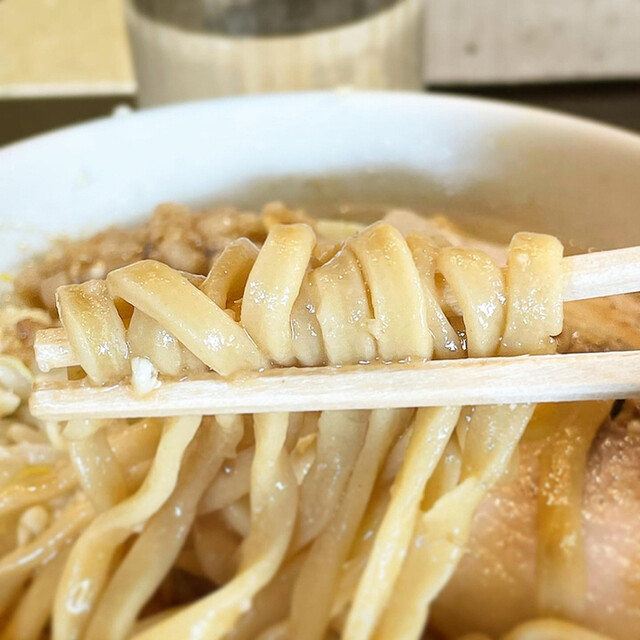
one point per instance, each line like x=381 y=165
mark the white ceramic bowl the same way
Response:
x=529 y=167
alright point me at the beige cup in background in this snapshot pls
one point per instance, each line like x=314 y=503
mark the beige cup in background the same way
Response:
x=174 y=64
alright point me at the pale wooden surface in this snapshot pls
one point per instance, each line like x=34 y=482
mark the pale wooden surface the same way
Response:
x=601 y=274
x=64 y=47
x=555 y=378
x=53 y=350
x=502 y=41
x=72 y=47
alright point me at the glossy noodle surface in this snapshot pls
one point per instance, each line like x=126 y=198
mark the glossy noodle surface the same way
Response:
x=307 y=526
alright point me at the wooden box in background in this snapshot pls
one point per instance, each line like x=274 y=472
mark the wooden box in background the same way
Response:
x=518 y=41
x=65 y=61
x=61 y=61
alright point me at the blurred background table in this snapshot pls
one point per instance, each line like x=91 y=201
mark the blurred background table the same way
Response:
x=61 y=62
x=66 y=61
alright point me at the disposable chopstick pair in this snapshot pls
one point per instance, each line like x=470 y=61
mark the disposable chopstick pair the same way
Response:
x=472 y=381
x=555 y=378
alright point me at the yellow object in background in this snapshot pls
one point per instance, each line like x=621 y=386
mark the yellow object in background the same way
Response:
x=61 y=62
x=64 y=47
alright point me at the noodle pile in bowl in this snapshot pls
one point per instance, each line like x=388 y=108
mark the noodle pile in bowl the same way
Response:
x=344 y=524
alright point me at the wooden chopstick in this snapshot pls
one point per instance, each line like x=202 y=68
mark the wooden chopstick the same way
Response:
x=53 y=351
x=554 y=378
x=601 y=273
x=590 y=275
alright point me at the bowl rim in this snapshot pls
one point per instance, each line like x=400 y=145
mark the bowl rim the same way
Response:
x=61 y=184
x=476 y=104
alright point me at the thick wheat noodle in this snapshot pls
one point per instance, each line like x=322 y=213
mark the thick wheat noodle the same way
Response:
x=484 y=327
x=346 y=338
x=234 y=483
x=27 y=559
x=315 y=586
x=86 y=571
x=354 y=567
x=445 y=476
x=446 y=342
x=300 y=425
x=365 y=328
x=442 y=480
x=438 y=544
x=544 y=629
x=431 y=431
x=340 y=438
x=478 y=285
x=396 y=294
x=376 y=297
x=550 y=629
x=308 y=341
x=231 y=485
x=152 y=620
x=211 y=335
x=482 y=286
x=272 y=289
x=534 y=309
x=303 y=457
x=388 y=552
x=400 y=300
x=490 y=440
x=32 y=613
x=157 y=547
x=274 y=504
x=18 y=565
x=148 y=339
x=396 y=456
x=131 y=446
x=440 y=534
x=349 y=579
x=462 y=428
x=91 y=320
x=228 y=275
x=29 y=491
